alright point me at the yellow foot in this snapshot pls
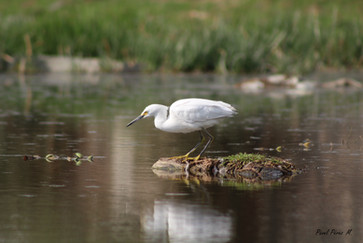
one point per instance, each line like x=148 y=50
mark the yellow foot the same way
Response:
x=186 y=158
x=182 y=157
x=196 y=158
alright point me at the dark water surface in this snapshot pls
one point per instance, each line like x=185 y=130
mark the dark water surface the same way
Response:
x=118 y=198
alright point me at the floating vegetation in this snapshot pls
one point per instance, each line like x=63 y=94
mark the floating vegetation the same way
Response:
x=78 y=155
x=240 y=168
x=78 y=158
x=306 y=144
x=51 y=157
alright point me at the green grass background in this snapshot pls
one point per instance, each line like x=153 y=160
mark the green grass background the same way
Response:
x=191 y=35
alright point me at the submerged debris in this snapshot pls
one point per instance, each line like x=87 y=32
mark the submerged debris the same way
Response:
x=277 y=80
x=31 y=157
x=252 y=167
x=77 y=158
x=342 y=83
x=293 y=84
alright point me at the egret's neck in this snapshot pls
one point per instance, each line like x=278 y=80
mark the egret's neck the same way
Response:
x=161 y=116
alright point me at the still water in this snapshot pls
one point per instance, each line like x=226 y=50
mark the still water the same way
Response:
x=118 y=198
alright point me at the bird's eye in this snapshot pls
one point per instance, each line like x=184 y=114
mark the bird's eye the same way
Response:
x=145 y=113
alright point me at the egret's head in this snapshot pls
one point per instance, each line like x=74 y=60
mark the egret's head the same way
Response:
x=150 y=110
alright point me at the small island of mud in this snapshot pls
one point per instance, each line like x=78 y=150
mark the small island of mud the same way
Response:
x=243 y=166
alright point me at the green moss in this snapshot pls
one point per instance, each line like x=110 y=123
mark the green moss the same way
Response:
x=255 y=163
x=245 y=158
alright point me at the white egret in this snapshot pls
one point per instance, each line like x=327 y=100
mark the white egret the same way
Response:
x=188 y=115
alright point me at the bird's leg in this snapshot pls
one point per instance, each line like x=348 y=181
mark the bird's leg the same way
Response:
x=202 y=138
x=186 y=156
x=211 y=138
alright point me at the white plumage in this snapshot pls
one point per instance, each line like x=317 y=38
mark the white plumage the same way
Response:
x=188 y=115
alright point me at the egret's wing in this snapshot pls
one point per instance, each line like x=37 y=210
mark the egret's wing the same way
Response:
x=200 y=110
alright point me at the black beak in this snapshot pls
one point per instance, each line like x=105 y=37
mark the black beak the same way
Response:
x=135 y=120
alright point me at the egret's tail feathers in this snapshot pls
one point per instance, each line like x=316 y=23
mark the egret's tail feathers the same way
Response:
x=233 y=111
